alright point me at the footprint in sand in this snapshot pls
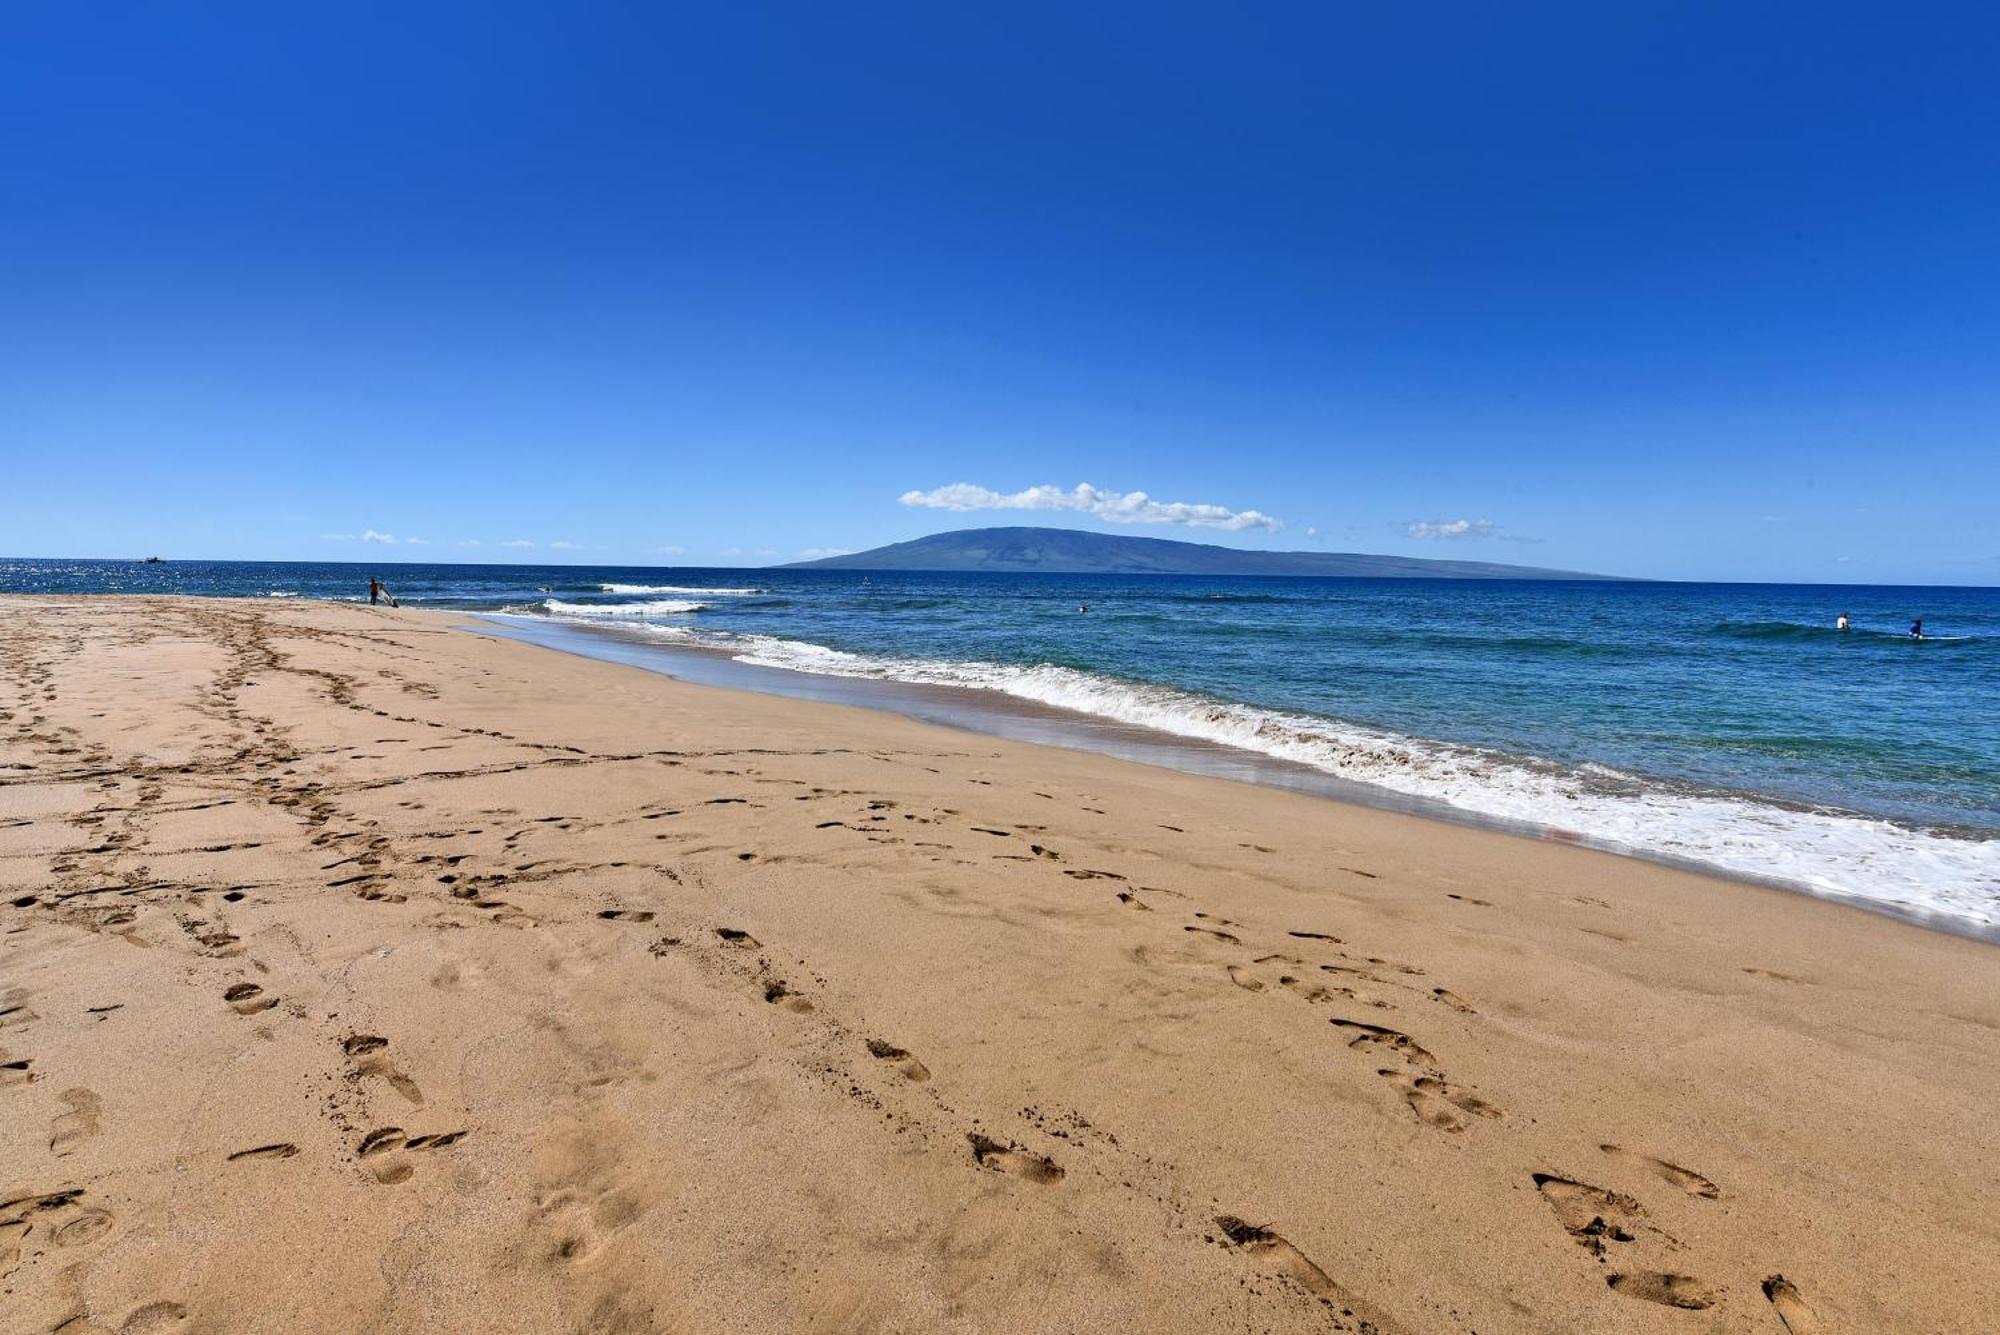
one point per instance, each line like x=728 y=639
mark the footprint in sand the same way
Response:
x=1283 y=1259
x=1210 y=931
x=384 y=1152
x=904 y=1062
x=367 y=1055
x=626 y=915
x=1590 y=1214
x=1375 y=1036
x=585 y=1198
x=248 y=999
x=1243 y=979
x=736 y=936
x=153 y=1319
x=381 y=1142
x=1311 y=991
x=55 y=1215
x=14 y=1010
x=1131 y=900
x=16 y=1072
x=1434 y=1100
x=778 y=994
x=87 y=1227
x=1010 y=1158
x=279 y=1150
x=1693 y=1183
x=1453 y=1000
x=76 y=1124
x=1793 y=1310
x=1682 y=1291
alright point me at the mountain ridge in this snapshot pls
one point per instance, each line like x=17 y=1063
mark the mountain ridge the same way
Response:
x=1063 y=551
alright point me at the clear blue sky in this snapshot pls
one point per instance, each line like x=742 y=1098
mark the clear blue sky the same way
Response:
x=1702 y=291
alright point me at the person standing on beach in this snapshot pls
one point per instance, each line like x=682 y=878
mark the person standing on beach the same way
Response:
x=374 y=591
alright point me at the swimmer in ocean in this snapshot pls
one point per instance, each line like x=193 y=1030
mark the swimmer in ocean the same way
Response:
x=1917 y=629
x=1842 y=623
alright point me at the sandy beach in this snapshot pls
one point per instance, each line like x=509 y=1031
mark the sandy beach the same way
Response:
x=364 y=971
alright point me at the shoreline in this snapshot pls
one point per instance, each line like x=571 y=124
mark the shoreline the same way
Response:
x=367 y=973
x=998 y=715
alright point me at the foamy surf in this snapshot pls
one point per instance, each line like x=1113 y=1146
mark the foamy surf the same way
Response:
x=1828 y=851
x=650 y=608
x=677 y=588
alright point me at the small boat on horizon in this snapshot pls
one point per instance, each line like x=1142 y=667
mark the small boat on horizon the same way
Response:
x=155 y=560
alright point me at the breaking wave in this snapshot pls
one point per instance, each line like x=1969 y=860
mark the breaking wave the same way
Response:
x=676 y=588
x=1827 y=850
x=650 y=608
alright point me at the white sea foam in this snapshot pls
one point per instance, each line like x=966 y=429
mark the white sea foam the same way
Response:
x=1832 y=852
x=652 y=607
x=676 y=588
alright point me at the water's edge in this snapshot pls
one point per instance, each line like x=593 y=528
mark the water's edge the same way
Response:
x=983 y=713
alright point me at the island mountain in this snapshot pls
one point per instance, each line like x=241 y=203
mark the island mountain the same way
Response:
x=1073 y=551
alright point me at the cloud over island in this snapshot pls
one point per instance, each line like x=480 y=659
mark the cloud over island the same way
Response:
x=1116 y=507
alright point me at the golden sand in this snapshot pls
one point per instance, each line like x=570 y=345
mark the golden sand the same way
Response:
x=366 y=973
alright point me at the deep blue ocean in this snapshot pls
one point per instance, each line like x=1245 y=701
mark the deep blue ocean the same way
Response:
x=1729 y=725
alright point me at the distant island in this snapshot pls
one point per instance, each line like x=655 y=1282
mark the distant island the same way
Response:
x=1071 y=551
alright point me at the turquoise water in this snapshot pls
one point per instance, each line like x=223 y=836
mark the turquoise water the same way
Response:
x=1730 y=725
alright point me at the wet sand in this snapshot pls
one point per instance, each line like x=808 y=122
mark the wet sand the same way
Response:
x=363 y=972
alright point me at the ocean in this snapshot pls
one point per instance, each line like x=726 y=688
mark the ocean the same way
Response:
x=1728 y=726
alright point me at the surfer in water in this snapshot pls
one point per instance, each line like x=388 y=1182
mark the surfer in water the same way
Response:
x=1917 y=629
x=1842 y=623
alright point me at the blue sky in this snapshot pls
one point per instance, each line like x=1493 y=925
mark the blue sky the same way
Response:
x=1698 y=291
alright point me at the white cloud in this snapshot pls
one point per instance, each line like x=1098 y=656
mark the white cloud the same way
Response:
x=1451 y=528
x=418 y=542
x=468 y=542
x=821 y=553
x=1126 y=507
x=566 y=546
x=1434 y=529
x=518 y=542
x=370 y=535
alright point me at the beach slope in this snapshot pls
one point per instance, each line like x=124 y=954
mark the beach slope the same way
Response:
x=361 y=971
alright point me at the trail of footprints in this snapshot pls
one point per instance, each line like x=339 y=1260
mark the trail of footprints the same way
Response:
x=1274 y=1260
x=1614 y=1228
x=1607 y=1224
x=1611 y=1226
